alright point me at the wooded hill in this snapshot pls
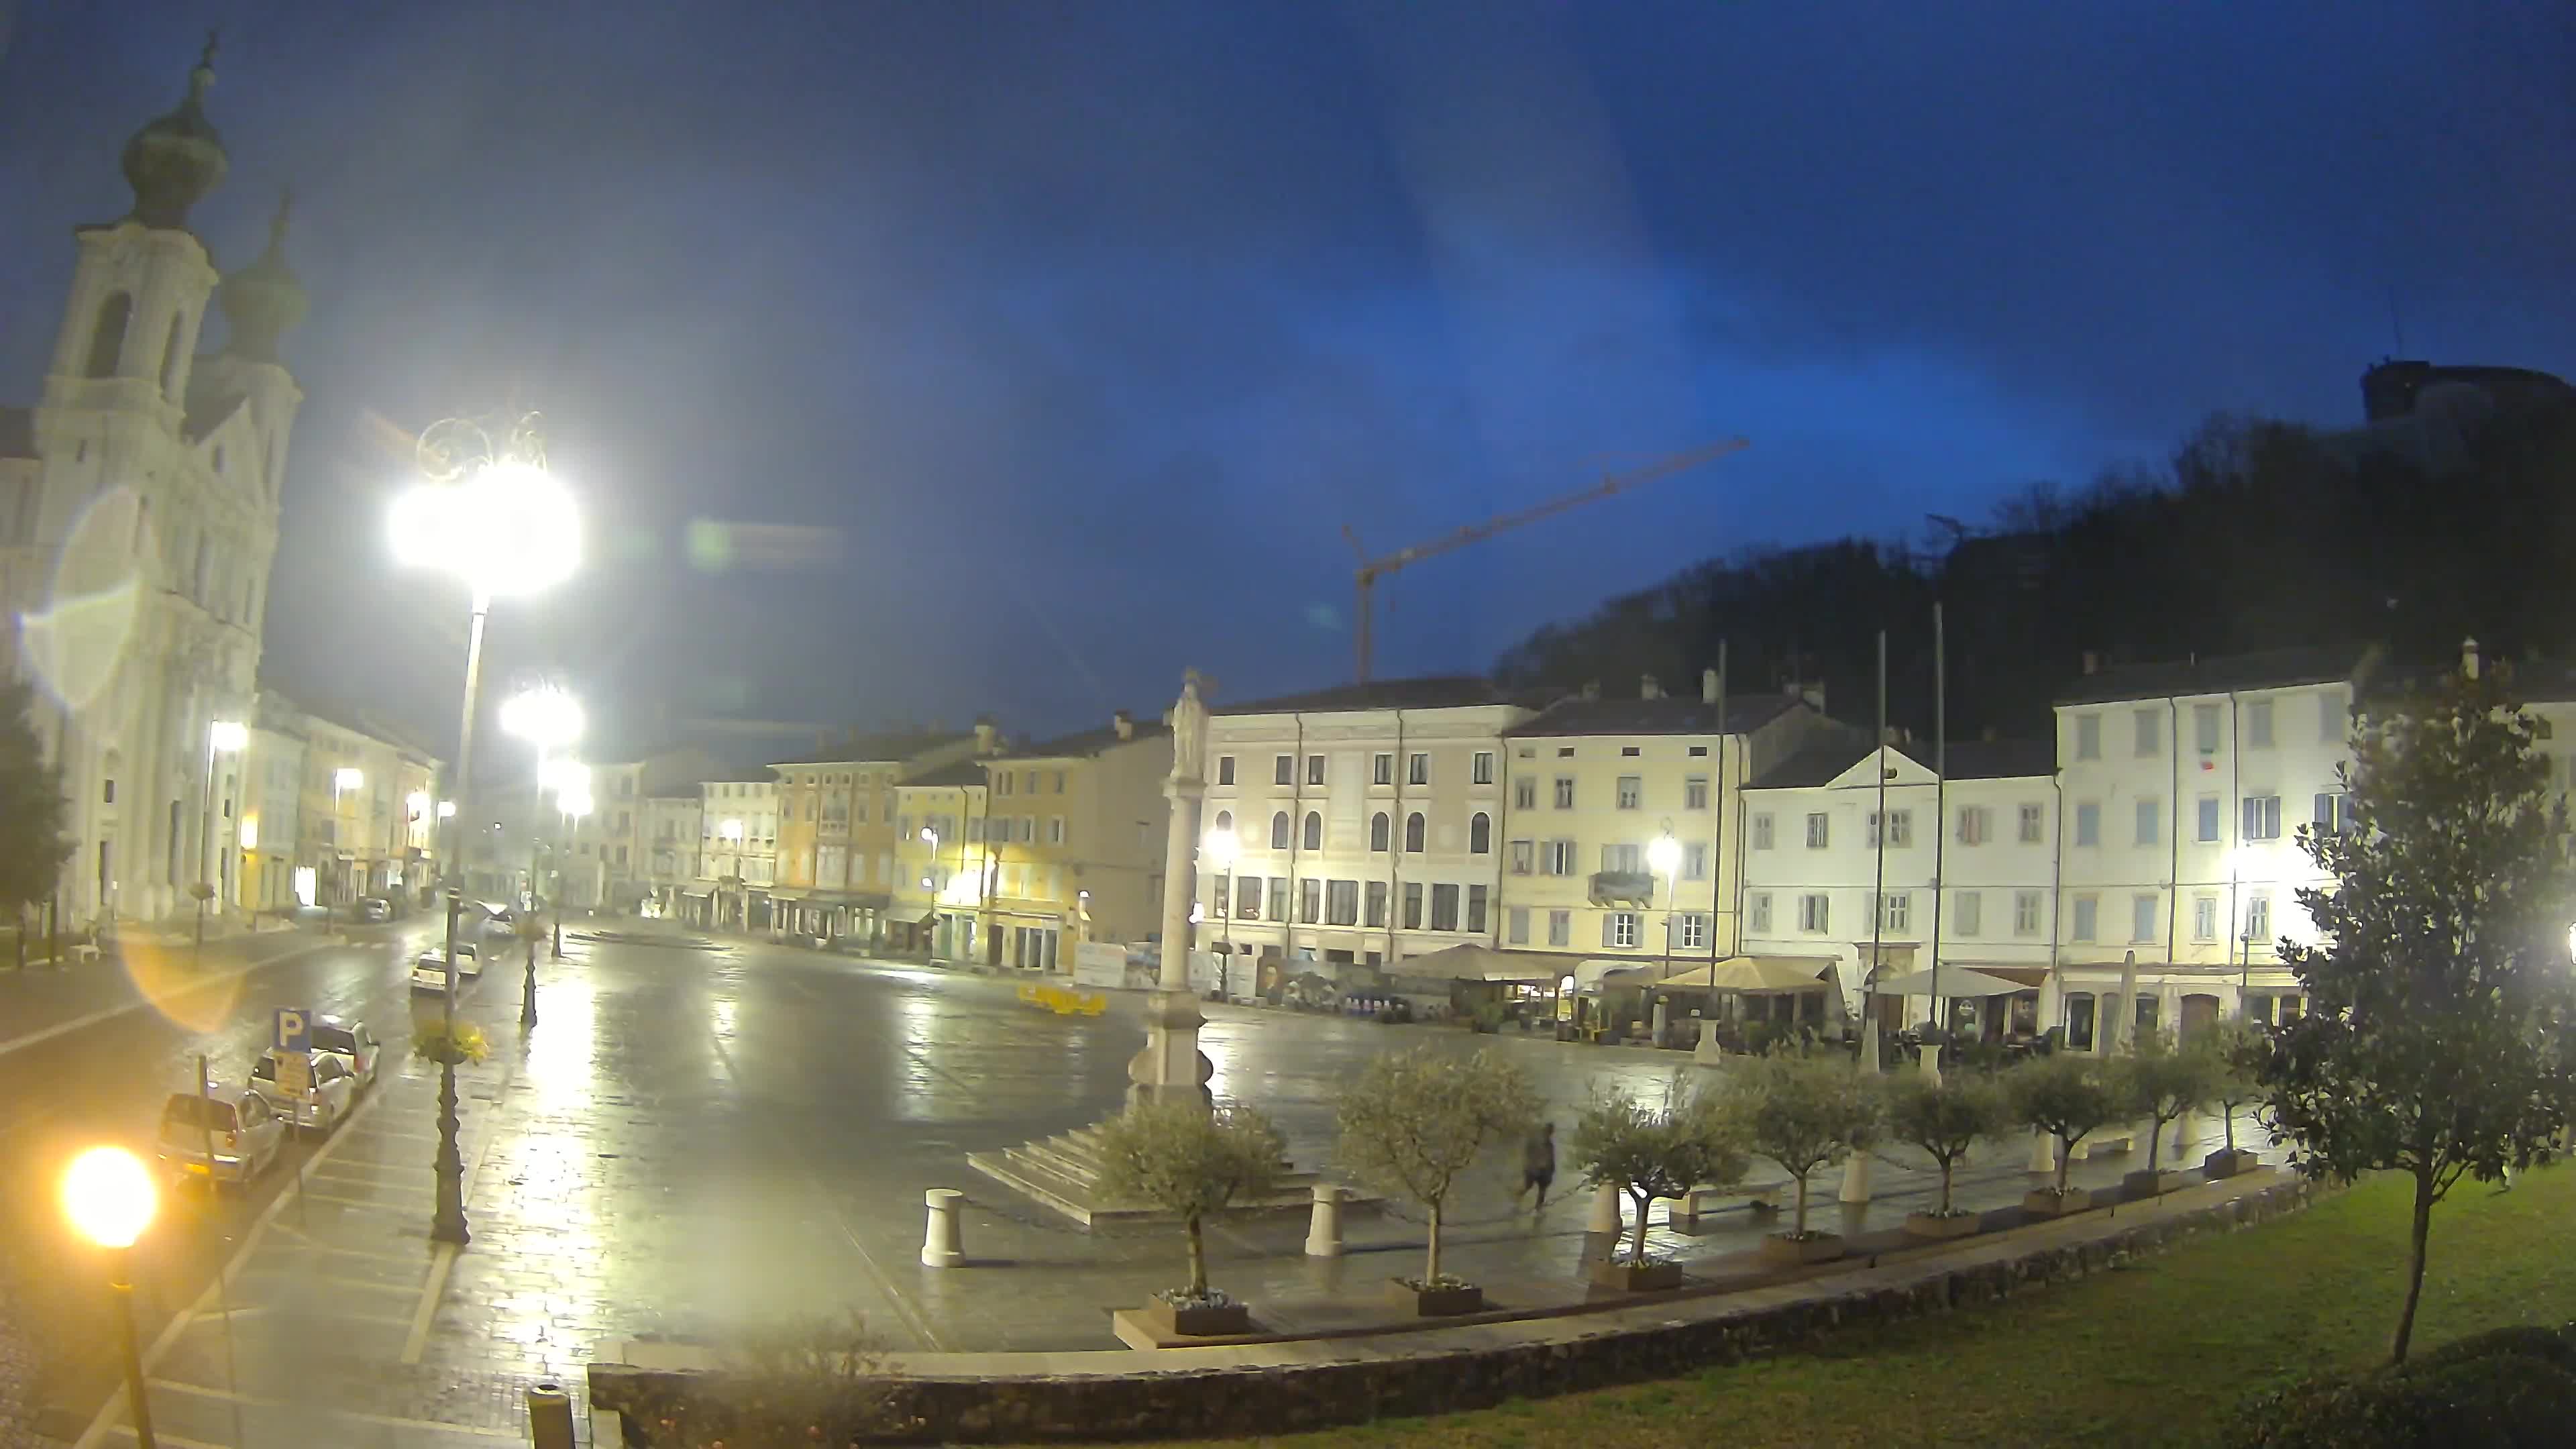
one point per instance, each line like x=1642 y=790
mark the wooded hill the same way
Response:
x=2258 y=535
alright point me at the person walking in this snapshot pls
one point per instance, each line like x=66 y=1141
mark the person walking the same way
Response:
x=1538 y=1164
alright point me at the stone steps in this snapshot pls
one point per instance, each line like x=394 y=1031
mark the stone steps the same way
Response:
x=1063 y=1173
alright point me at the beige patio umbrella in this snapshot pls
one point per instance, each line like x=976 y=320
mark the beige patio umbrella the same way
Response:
x=1749 y=973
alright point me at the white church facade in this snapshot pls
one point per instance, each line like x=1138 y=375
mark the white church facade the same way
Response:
x=138 y=522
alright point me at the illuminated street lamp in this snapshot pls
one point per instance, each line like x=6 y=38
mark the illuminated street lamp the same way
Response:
x=548 y=717
x=489 y=513
x=223 y=737
x=1664 y=857
x=1222 y=848
x=109 y=1198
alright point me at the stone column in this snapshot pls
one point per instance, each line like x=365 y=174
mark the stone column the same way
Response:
x=1171 y=1067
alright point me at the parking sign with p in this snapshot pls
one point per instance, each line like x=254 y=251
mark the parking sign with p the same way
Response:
x=294 y=1030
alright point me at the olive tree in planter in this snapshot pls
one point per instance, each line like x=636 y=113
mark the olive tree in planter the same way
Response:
x=1651 y=1152
x=1190 y=1161
x=1943 y=1119
x=1412 y=1122
x=2068 y=1095
x=2165 y=1080
x=1804 y=1113
x=2235 y=1047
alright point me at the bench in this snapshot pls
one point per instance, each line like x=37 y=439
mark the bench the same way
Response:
x=1767 y=1198
x=84 y=950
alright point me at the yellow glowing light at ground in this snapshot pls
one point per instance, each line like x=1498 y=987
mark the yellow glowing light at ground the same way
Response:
x=108 y=1196
x=250 y=832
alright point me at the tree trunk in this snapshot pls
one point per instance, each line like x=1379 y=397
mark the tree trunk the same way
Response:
x=1198 y=1257
x=2422 y=1227
x=1637 y=1254
x=2155 y=1141
x=1948 y=1165
x=2065 y=1160
x=2228 y=1111
x=1801 y=1229
x=1431 y=1268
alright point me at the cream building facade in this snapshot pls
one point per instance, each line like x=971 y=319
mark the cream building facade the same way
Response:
x=1962 y=871
x=737 y=851
x=1074 y=840
x=937 y=905
x=1594 y=783
x=1369 y=822
x=672 y=832
x=139 y=504
x=836 y=830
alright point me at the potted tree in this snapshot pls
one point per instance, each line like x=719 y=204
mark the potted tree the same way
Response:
x=2165 y=1080
x=1803 y=1113
x=1411 y=1123
x=2067 y=1095
x=1190 y=1161
x=1943 y=1119
x=1647 y=1153
x=2236 y=1048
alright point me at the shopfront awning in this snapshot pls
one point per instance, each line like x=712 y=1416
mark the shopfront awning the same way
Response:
x=1481 y=963
x=1752 y=974
x=1596 y=976
x=1956 y=982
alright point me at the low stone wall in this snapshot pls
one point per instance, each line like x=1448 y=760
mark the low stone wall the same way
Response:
x=1279 y=1387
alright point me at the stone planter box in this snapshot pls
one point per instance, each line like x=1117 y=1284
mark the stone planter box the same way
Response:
x=1437 y=1302
x=1929 y=1225
x=1814 y=1248
x=1629 y=1277
x=2042 y=1203
x=1233 y=1318
x=2228 y=1163
x=2149 y=1184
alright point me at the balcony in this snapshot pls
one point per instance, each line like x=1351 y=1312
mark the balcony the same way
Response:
x=1622 y=886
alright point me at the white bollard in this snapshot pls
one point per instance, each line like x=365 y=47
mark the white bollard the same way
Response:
x=1606 y=1217
x=1930 y=1060
x=1324 y=1227
x=1855 y=1186
x=2043 y=1153
x=943 y=1245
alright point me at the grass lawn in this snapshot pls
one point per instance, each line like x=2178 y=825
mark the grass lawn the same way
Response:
x=2140 y=1356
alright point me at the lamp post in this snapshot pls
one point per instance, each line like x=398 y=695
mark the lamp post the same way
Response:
x=345 y=781
x=930 y=838
x=223 y=737
x=109 y=1198
x=1222 y=847
x=491 y=513
x=1664 y=858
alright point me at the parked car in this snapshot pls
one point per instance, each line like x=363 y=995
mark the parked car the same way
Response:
x=429 y=973
x=375 y=908
x=348 y=1038
x=247 y=1135
x=500 y=923
x=323 y=1102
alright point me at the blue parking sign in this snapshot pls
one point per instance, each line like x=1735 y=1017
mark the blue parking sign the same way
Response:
x=294 y=1030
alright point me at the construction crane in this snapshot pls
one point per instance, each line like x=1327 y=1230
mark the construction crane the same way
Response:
x=1373 y=569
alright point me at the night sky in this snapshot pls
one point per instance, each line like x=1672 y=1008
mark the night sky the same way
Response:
x=1050 y=346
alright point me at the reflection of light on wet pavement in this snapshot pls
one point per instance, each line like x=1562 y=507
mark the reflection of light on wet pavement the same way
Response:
x=172 y=981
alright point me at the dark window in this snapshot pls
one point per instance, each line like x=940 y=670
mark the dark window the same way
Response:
x=1314 y=769
x=1225 y=769
x=107 y=343
x=1480 y=834
x=1378 y=831
x=1413 y=832
x=1279 y=831
x=1444 y=908
x=1413 y=905
x=1314 y=830
x=1283 y=770
x=1475 y=908
x=1225 y=820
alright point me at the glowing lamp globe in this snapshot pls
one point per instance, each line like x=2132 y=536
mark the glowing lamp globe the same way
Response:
x=109 y=1196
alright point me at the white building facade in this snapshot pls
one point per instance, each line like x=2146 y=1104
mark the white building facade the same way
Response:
x=672 y=831
x=1963 y=873
x=1369 y=821
x=738 y=850
x=138 y=521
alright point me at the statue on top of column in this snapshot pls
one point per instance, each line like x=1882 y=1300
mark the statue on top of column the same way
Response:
x=1188 y=719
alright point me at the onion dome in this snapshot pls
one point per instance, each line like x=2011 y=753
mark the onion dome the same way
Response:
x=263 y=301
x=174 y=161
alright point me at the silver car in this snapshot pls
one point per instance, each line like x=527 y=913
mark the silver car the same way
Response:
x=351 y=1039
x=324 y=1101
x=247 y=1136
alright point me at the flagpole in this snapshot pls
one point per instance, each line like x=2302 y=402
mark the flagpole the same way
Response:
x=1940 y=834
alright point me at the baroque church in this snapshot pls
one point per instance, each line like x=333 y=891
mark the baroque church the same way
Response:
x=138 y=519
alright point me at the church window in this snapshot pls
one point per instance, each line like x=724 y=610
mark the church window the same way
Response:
x=170 y=359
x=107 y=342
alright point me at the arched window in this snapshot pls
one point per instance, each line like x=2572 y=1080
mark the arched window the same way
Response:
x=1225 y=820
x=1279 y=831
x=1314 y=830
x=107 y=339
x=1480 y=833
x=171 y=356
x=1378 y=831
x=1413 y=832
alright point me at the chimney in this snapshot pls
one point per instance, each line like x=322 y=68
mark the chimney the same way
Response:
x=988 y=740
x=2469 y=658
x=1124 y=723
x=1650 y=687
x=2092 y=662
x=1708 y=686
x=1592 y=689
